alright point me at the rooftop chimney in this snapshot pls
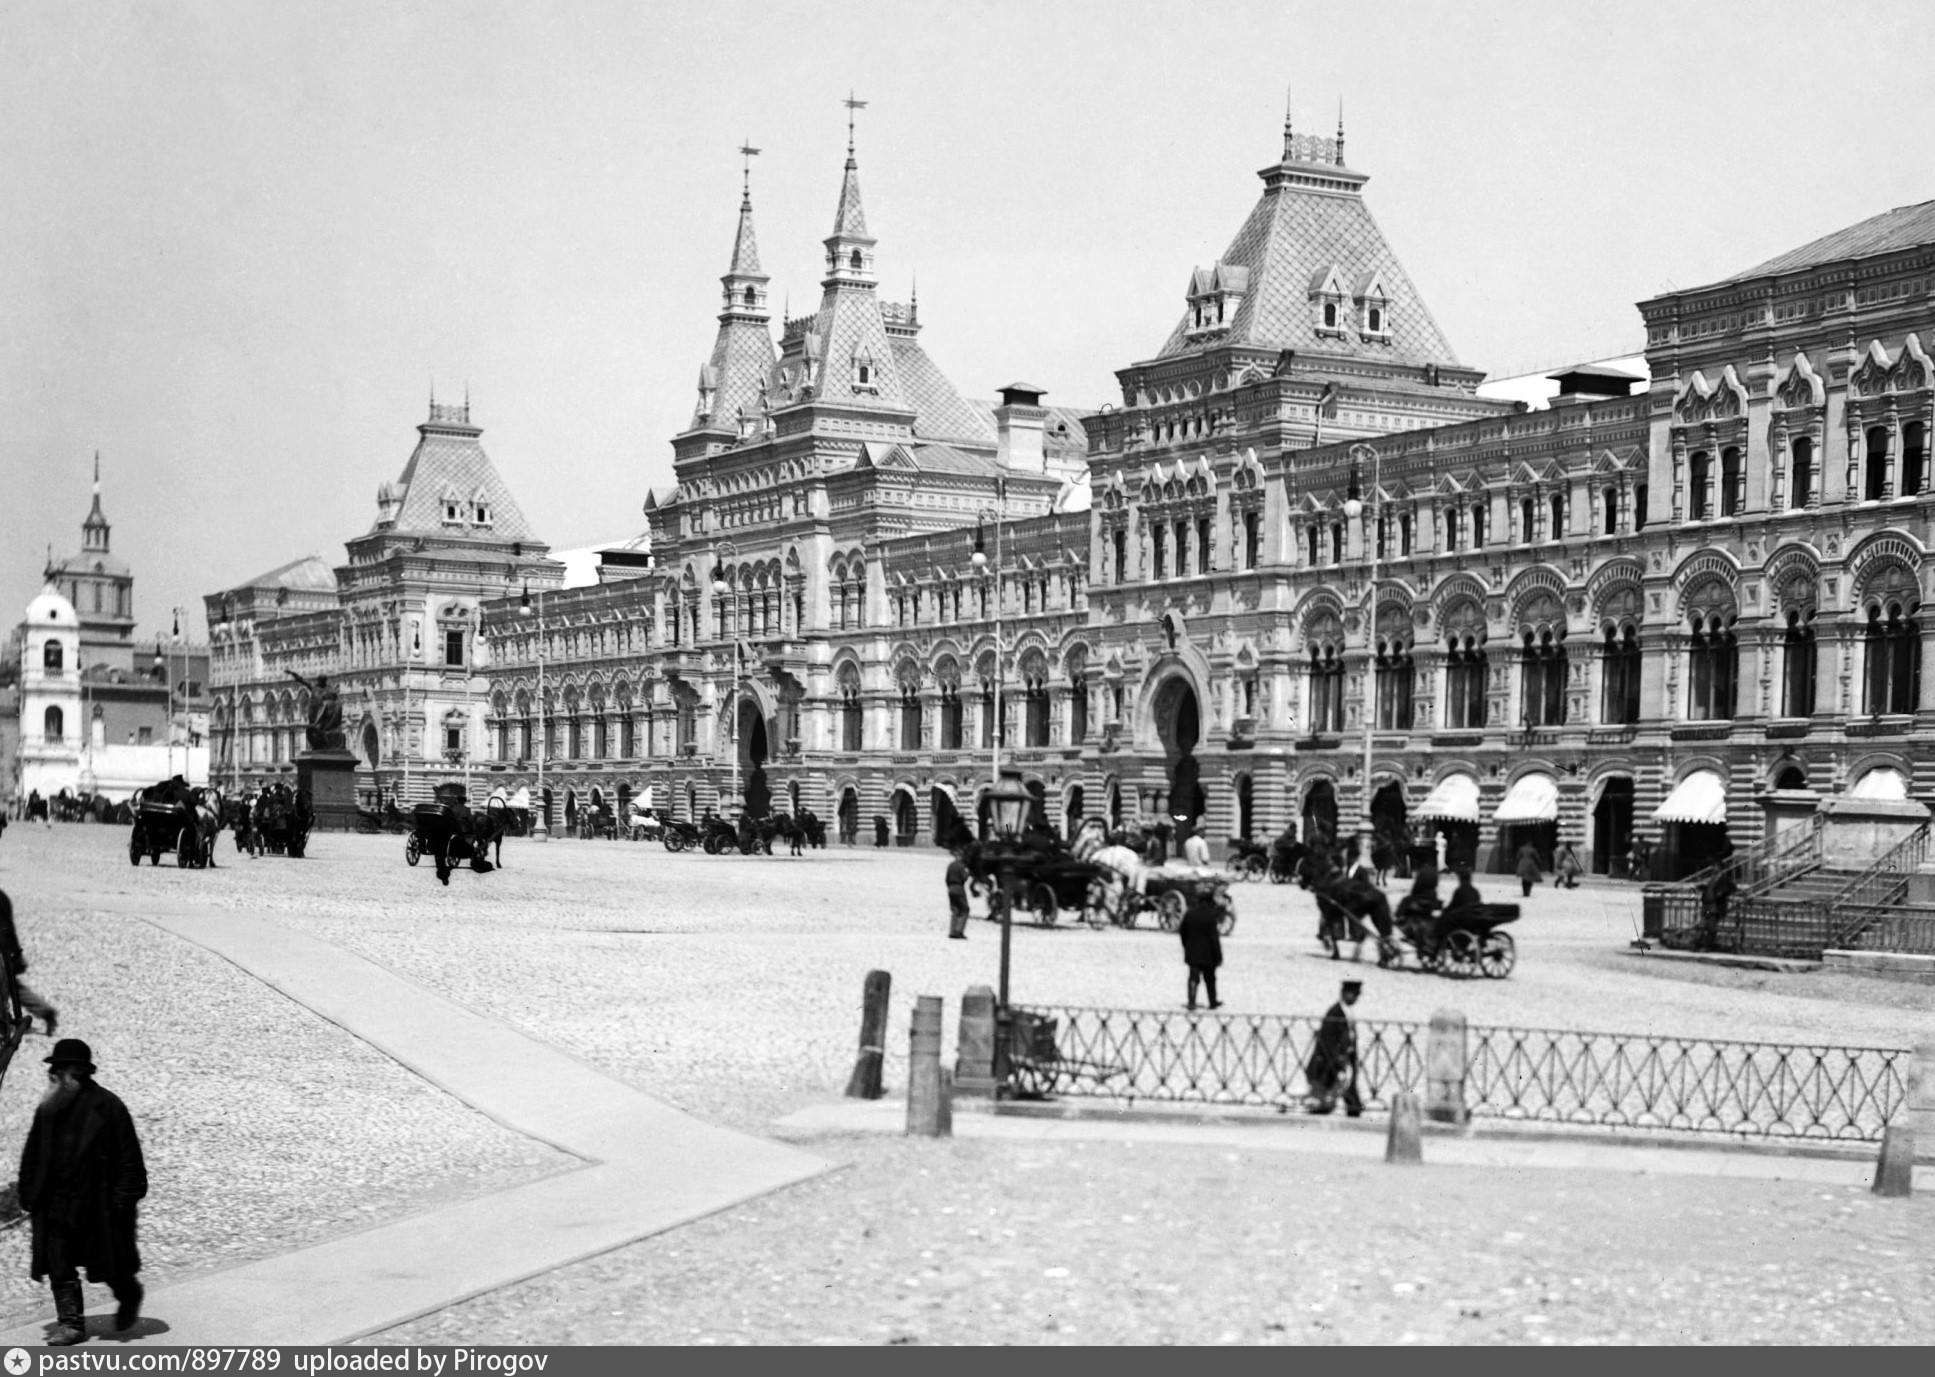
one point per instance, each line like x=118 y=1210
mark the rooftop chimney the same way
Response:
x=1018 y=425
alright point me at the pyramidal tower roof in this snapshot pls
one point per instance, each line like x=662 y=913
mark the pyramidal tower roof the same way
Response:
x=1310 y=241
x=733 y=379
x=449 y=489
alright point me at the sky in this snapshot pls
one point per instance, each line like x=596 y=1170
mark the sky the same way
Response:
x=242 y=242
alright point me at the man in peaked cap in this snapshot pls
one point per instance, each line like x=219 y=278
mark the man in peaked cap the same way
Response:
x=81 y=1175
x=1332 y=1069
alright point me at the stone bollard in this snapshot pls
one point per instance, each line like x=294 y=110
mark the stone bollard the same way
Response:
x=974 y=1064
x=1921 y=1093
x=864 y=1084
x=930 y=1111
x=1405 y=1141
x=1445 y=1063
x=1895 y=1171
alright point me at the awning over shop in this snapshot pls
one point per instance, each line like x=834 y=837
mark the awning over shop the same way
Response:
x=1455 y=799
x=1532 y=798
x=1881 y=783
x=1700 y=797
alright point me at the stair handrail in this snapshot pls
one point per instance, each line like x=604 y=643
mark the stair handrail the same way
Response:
x=1769 y=860
x=1874 y=890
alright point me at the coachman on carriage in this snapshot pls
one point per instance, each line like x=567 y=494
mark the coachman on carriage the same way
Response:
x=452 y=833
x=173 y=816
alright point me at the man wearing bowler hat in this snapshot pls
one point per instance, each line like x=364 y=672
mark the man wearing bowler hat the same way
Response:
x=80 y=1176
x=1332 y=1069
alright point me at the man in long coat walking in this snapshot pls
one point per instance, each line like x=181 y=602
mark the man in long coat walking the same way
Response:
x=1332 y=1069
x=1202 y=945
x=81 y=1175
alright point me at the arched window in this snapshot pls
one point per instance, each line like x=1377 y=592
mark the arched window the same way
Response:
x=1893 y=655
x=1914 y=458
x=1713 y=653
x=1454 y=528
x=1330 y=315
x=1874 y=477
x=1465 y=668
x=1611 y=498
x=1556 y=531
x=1699 y=472
x=1034 y=682
x=848 y=680
x=1800 y=490
x=1404 y=535
x=856 y=261
x=53 y=723
x=910 y=713
x=52 y=657
x=1324 y=637
x=1798 y=663
x=1336 y=542
x=1639 y=507
x=948 y=675
x=1619 y=675
x=1395 y=671
x=1478 y=526
x=1730 y=481
x=1527 y=519
x=1542 y=662
x=1158 y=537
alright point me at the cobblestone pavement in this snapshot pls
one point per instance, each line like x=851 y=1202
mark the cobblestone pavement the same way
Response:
x=730 y=987
x=962 y=1241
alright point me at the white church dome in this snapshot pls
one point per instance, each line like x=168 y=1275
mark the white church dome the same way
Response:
x=49 y=608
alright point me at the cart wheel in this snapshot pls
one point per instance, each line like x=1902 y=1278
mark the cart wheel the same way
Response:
x=134 y=849
x=1041 y=898
x=1460 y=956
x=413 y=849
x=1255 y=868
x=1170 y=909
x=1499 y=954
x=185 y=854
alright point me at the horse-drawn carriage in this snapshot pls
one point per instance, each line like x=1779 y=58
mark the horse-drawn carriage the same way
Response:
x=172 y=816
x=1037 y=879
x=1460 y=942
x=452 y=833
x=280 y=819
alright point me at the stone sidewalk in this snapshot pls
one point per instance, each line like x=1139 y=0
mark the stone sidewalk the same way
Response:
x=648 y=1167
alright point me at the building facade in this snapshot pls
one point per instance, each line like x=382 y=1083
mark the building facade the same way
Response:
x=1300 y=571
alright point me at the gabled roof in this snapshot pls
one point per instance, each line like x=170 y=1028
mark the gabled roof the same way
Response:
x=940 y=412
x=1904 y=227
x=311 y=573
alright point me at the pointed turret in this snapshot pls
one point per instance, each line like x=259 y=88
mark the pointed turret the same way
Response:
x=849 y=249
x=732 y=381
x=94 y=531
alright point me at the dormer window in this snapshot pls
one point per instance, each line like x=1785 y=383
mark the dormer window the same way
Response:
x=1330 y=315
x=481 y=514
x=1374 y=320
x=865 y=376
x=453 y=514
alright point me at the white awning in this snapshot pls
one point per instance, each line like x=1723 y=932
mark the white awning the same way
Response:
x=1882 y=783
x=1453 y=799
x=1532 y=798
x=1700 y=797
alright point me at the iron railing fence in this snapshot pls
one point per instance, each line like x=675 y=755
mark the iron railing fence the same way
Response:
x=1905 y=928
x=1878 y=891
x=1642 y=1082
x=1681 y=905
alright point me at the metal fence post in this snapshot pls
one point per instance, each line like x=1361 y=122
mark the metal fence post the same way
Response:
x=1445 y=1066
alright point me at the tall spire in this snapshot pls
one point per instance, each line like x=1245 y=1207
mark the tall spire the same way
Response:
x=94 y=530
x=744 y=283
x=1340 y=131
x=1289 y=133
x=850 y=221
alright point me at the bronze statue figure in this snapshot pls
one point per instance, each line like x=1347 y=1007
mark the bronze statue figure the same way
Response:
x=325 y=732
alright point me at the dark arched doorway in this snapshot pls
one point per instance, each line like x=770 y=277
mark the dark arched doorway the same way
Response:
x=849 y=814
x=1115 y=805
x=949 y=830
x=1178 y=721
x=1037 y=808
x=1391 y=825
x=906 y=818
x=1072 y=813
x=1245 y=807
x=1320 y=814
x=1612 y=827
x=751 y=732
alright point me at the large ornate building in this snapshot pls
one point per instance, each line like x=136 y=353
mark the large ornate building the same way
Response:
x=1301 y=570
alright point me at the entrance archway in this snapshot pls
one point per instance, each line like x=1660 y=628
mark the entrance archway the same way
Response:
x=1178 y=723
x=1245 y=807
x=1115 y=805
x=1391 y=825
x=906 y=818
x=949 y=830
x=1612 y=827
x=1320 y=814
x=849 y=814
x=1072 y=813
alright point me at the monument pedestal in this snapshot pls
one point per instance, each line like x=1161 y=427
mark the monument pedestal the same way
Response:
x=329 y=778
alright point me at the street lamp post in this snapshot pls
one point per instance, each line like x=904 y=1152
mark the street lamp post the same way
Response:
x=1008 y=801
x=168 y=681
x=722 y=586
x=541 y=832
x=1373 y=509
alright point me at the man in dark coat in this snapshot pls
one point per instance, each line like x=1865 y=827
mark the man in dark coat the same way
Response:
x=1202 y=946
x=1332 y=1069
x=80 y=1176
x=16 y=963
x=958 y=875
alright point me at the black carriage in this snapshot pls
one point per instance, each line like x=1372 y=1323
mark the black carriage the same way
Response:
x=1043 y=881
x=1248 y=860
x=452 y=834
x=280 y=821
x=166 y=818
x=1160 y=892
x=1461 y=942
x=679 y=836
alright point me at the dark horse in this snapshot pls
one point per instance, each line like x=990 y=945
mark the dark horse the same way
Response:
x=1343 y=902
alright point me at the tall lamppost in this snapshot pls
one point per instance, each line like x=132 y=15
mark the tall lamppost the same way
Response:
x=168 y=682
x=983 y=518
x=1372 y=508
x=1008 y=801
x=726 y=584
x=541 y=832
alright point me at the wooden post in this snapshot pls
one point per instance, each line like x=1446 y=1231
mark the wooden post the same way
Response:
x=864 y=1084
x=974 y=1064
x=929 y=1112
x=1445 y=1063
x=1404 y=1142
